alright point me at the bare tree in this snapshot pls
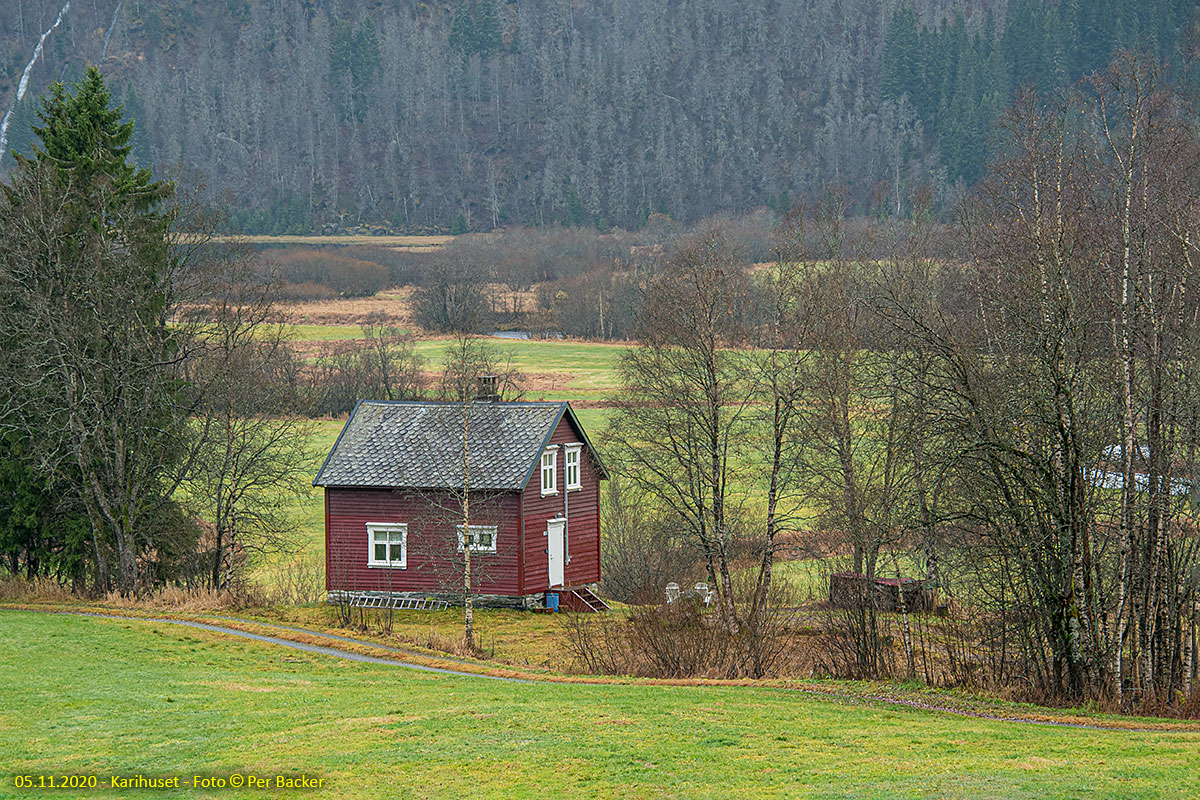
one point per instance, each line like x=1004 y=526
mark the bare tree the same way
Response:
x=393 y=358
x=1063 y=383
x=471 y=371
x=255 y=459
x=467 y=361
x=383 y=364
x=686 y=402
x=779 y=365
x=859 y=442
x=1148 y=171
x=453 y=295
x=641 y=549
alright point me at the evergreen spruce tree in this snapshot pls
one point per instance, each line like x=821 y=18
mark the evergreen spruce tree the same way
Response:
x=462 y=30
x=577 y=215
x=486 y=40
x=901 y=56
x=140 y=142
x=43 y=530
x=1057 y=62
x=86 y=377
x=341 y=48
x=341 y=55
x=364 y=57
x=83 y=138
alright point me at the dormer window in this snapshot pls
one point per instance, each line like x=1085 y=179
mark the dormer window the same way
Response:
x=550 y=471
x=571 y=475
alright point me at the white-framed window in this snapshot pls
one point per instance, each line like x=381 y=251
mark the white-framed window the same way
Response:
x=483 y=538
x=387 y=545
x=571 y=475
x=550 y=471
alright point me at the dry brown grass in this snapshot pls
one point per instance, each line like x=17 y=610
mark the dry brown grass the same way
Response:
x=173 y=598
x=39 y=590
x=16 y=589
x=393 y=305
x=448 y=644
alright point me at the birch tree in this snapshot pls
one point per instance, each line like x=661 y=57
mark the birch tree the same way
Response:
x=469 y=362
x=255 y=460
x=682 y=419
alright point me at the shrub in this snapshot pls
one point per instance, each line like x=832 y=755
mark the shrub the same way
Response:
x=403 y=266
x=642 y=552
x=304 y=292
x=382 y=365
x=342 y=274
x=685 y=639
x=453 y=295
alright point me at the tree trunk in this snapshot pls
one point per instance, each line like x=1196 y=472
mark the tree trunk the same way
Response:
x=903 y=606
x=468 y=595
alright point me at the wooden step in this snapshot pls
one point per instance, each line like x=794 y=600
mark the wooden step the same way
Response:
x=583 y=599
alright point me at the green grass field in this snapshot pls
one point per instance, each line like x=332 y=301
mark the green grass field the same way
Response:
x=307 y=512
x=324 y=333
x=125 y=697
x=589 y=368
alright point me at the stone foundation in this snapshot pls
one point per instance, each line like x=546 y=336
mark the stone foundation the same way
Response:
x=515 y=603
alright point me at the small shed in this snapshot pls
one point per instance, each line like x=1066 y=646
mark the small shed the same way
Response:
x=394 y=488
x=850 y=589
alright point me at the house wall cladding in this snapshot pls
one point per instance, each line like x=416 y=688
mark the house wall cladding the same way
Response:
x=431 y=518
x=583 y=520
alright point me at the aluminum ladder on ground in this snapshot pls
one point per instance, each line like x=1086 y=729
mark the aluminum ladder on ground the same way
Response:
x=397 y=603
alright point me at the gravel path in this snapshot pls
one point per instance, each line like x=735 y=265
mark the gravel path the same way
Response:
x=389 y=648
x=308 y=648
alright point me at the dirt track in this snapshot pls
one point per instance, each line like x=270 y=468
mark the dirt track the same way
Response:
x=306 y=647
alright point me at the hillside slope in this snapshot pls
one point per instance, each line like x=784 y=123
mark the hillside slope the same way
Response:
x=426 y=115
x=125 y=698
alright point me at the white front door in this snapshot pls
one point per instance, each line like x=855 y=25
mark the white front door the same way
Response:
x=554 y=550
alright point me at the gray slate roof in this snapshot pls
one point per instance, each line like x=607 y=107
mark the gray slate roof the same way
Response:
x=420 y=445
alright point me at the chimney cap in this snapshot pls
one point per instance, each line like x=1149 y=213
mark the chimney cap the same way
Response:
x=486 y=388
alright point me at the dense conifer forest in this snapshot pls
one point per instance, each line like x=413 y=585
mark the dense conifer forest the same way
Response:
x=477 y=114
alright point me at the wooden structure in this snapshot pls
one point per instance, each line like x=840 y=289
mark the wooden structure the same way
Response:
x=850 y=589
x=393 y=503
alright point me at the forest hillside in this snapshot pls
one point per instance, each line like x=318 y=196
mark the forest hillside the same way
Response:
x=469 y=115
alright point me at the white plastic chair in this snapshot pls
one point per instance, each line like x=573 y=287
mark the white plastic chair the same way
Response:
x=672 y=592
x=704 y=593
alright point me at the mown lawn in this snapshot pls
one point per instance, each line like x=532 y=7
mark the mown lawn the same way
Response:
x=108 y=696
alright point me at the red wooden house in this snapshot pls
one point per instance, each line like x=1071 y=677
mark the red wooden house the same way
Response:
x=394 y=488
